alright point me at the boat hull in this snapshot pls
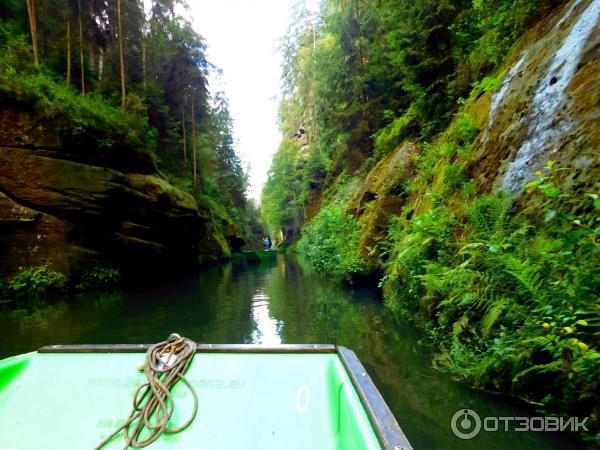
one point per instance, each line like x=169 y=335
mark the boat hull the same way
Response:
x=250 y=397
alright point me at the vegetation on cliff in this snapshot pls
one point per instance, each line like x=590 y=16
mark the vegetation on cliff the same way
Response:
x=508 y=296
x=117 y=81
x=330 y=241
x=507 y=288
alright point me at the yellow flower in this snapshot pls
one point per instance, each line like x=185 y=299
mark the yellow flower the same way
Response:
x=568 y=330
x=546 y=325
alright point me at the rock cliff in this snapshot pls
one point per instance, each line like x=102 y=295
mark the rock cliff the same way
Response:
x=546 y=107
x=71 y=208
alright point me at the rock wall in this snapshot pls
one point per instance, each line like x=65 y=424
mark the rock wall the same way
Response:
x=380 y=196
x=548 y=106
x=74 y=210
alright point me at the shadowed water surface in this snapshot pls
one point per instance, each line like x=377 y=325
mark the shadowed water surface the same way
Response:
x=281 y=302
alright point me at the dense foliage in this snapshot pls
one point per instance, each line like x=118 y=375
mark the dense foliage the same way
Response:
x=362 y=75
x=330 y=241
x=99 y=277
x=508 y=297
x=508 y=290
x=89 y=121
x=109 y=79
x=281 y=197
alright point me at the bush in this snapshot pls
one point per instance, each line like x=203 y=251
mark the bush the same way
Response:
x=330 y=241
x=389 y=137
x=99 y=278
x=35 y=283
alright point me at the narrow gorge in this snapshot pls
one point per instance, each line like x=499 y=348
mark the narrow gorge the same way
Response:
x=450 y=155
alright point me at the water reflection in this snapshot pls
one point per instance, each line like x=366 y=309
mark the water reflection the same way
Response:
x=275 y=302
x=267 y=329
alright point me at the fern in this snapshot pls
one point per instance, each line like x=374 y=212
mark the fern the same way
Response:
x=490 y=219
x=460 y=325
x=526 y=275
x=553 y=366
x=492 y=314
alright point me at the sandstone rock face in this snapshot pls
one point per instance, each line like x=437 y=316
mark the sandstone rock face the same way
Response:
x=548 y=106
x=21 y=129
x=72 y=215
x=234 y=236
x=380 y=196
x=312 y=206
x=32 y=238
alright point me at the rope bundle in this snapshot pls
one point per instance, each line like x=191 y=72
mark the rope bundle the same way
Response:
x=166 y=363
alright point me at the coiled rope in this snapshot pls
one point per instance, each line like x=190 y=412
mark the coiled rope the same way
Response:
x=166 y=363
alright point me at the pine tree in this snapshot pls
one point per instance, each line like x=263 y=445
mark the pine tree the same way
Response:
x=33 y=30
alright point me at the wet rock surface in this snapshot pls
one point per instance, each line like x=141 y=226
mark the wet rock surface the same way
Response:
x=548 y=106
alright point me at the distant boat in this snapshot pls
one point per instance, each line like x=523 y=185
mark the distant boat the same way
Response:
x=258 y=256
x=293 y=397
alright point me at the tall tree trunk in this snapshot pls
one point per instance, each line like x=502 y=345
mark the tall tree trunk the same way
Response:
x=185 y=159
x=91 y=60
x=82 y=68
x=360 y=45
x=46 y=44
x=100 y=64
x=194 y=158
x=33 y=28
x=121 y=58
x=68 y=48
x=143 y=59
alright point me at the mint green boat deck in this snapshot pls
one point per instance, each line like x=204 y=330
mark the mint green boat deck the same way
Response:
x=292 y=398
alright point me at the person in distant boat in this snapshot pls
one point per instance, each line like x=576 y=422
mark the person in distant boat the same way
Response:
x=267 y=242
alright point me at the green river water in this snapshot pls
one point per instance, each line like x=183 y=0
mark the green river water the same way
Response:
x=275 y=302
